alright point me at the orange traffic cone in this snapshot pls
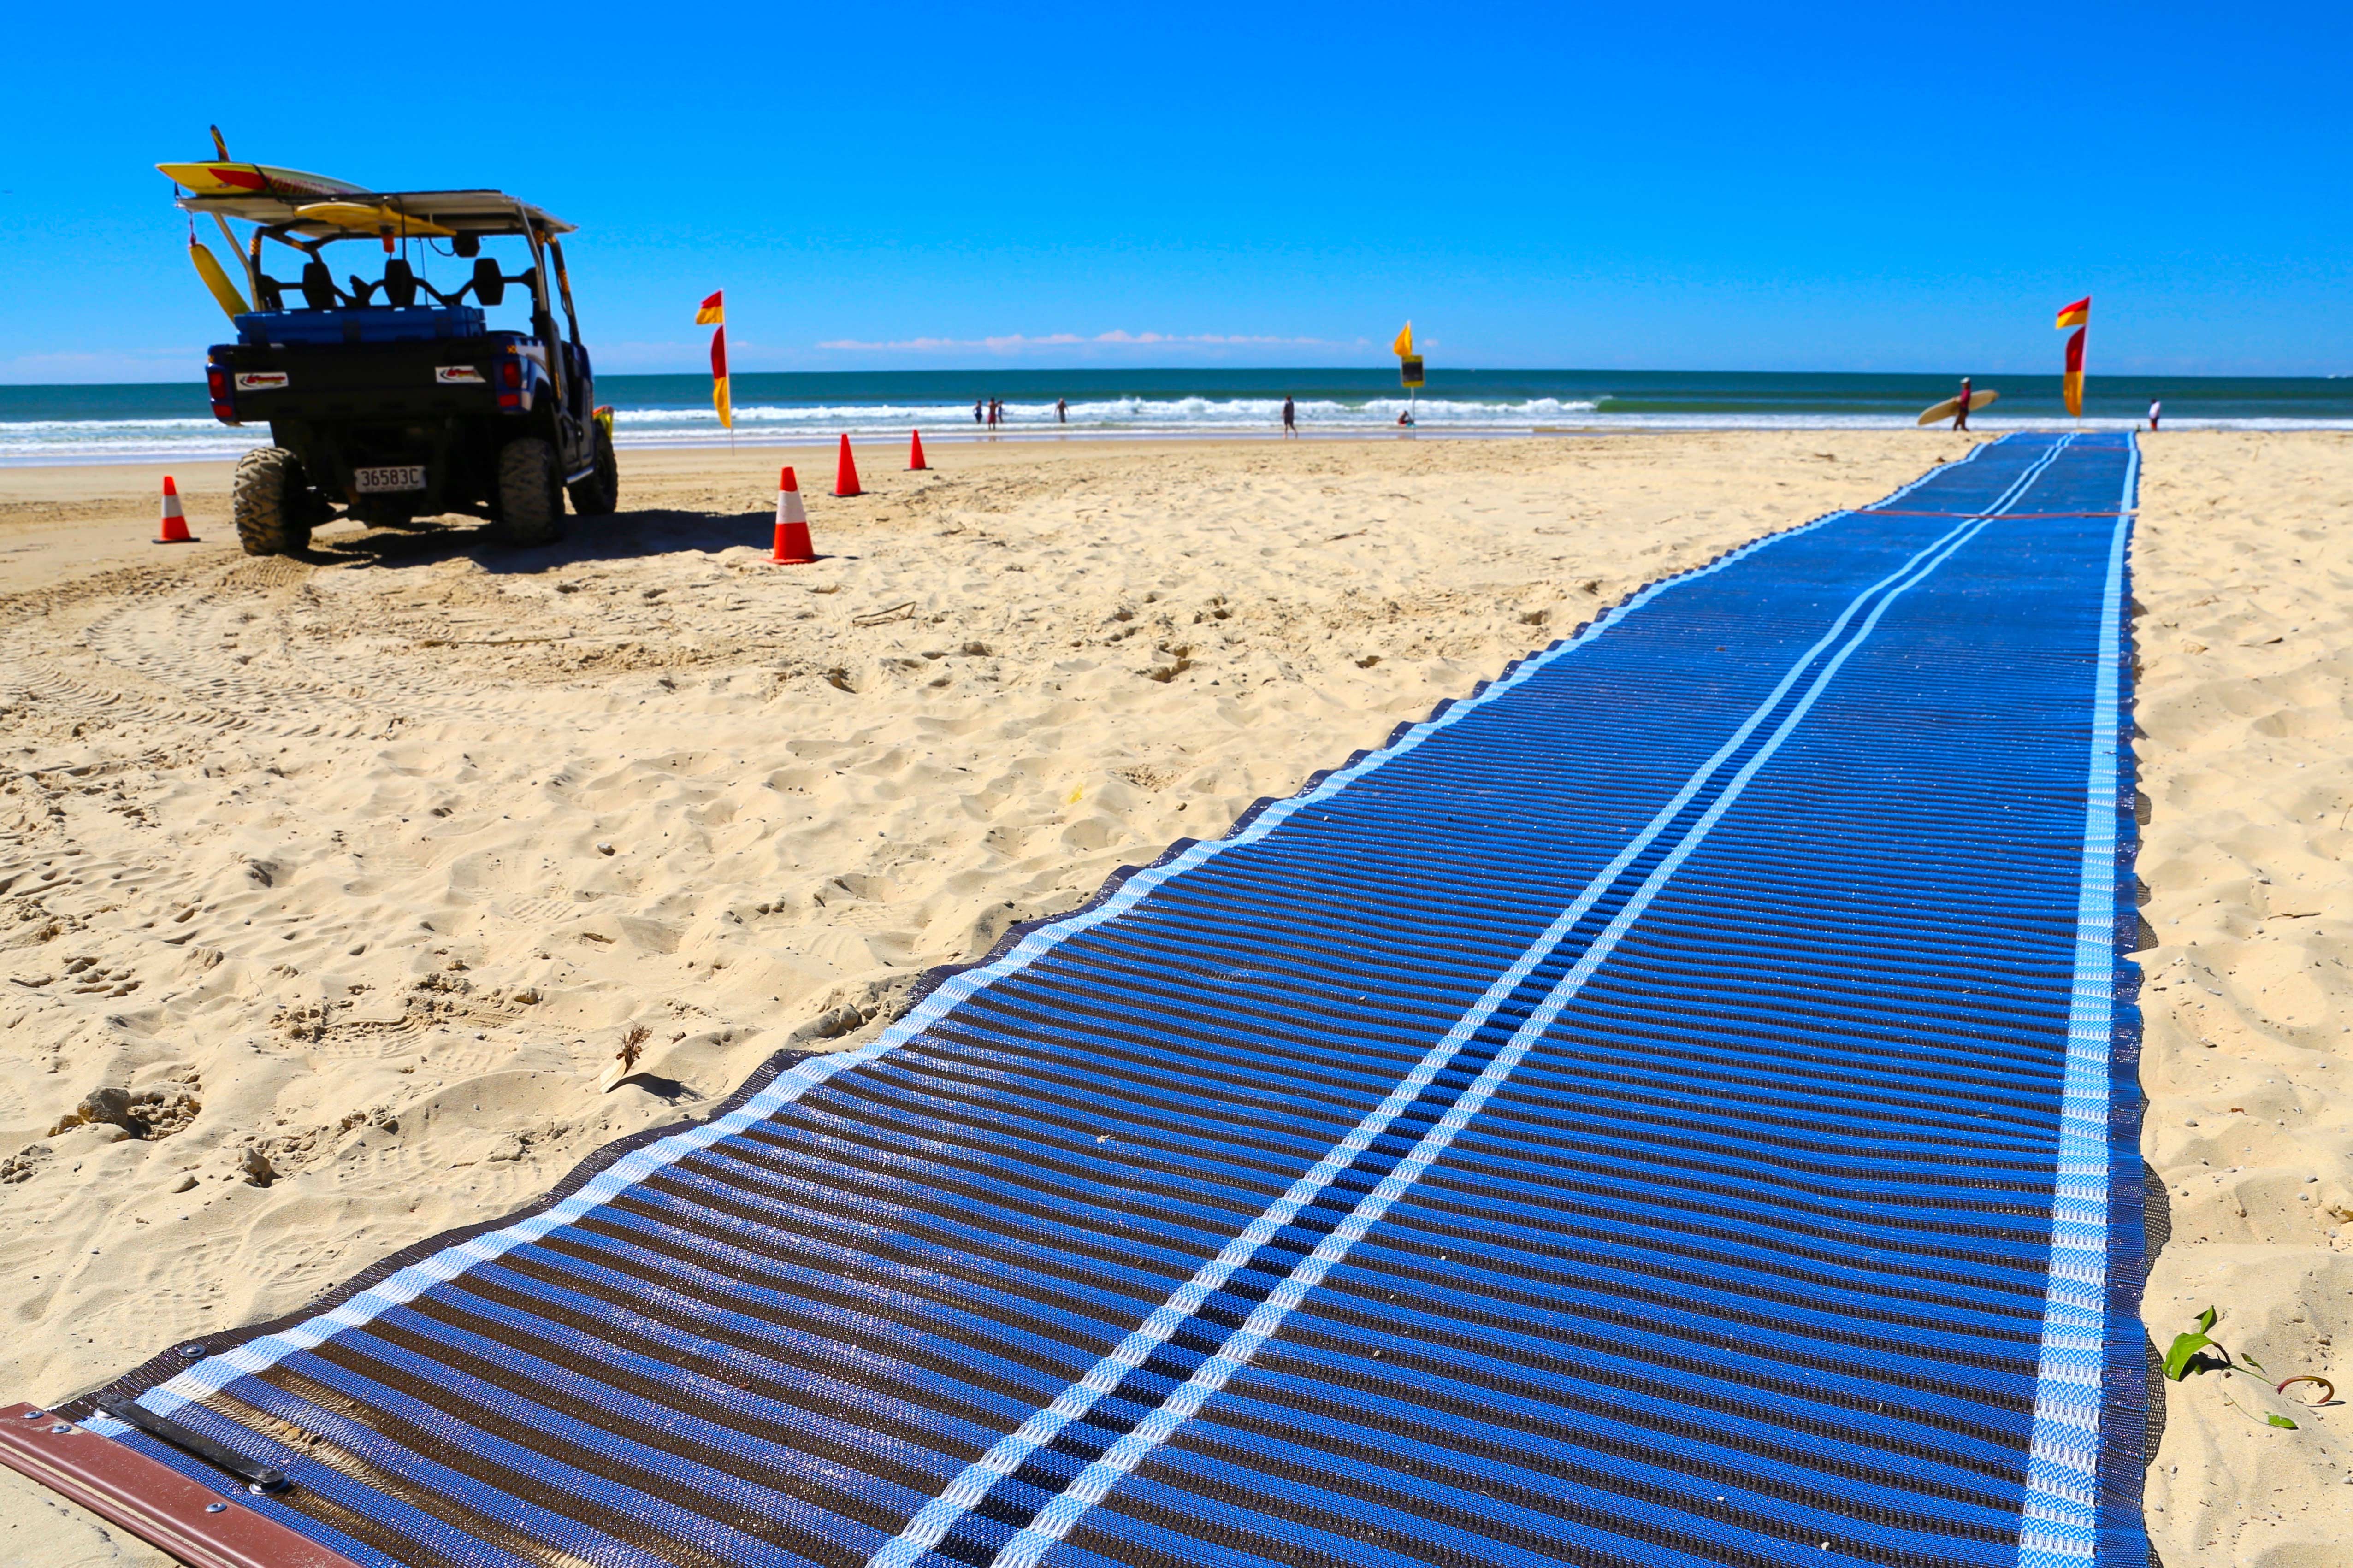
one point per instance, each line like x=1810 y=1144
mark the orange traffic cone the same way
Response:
x=173 y=529
x=793 y=547
x=915 y=454
x=845 y=476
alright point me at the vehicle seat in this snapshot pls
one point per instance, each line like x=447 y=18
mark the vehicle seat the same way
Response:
x=319 y=287
x=399 y=283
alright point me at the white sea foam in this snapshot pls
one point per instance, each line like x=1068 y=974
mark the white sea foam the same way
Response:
x=650 y=426
x=198 y=439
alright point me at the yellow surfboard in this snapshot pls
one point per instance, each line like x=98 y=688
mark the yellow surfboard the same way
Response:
x=1952 y=406
x=360 y=217
x=216 y=277
x=221 y=178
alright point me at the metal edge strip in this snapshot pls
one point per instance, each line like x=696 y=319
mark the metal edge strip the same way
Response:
x=149 y=1500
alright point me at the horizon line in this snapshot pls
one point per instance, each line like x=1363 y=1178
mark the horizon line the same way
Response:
x=1000 y=369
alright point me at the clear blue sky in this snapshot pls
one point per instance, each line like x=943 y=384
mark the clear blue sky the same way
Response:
x=1867 y=187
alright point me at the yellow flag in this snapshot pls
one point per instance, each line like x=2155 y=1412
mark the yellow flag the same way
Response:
x=1403 y=347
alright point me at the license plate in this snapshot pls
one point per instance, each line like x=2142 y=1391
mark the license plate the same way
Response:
x=379 y=481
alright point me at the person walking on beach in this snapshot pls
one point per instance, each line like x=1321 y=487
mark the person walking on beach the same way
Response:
x=2156 y=408
x=1961 y=408
x=1289 y=416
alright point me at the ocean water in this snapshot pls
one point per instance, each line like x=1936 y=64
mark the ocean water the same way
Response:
x=148 y=423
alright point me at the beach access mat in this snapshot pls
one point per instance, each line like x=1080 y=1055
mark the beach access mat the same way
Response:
x=1674 y=1106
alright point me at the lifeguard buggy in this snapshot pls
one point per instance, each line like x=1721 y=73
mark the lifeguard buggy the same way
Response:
x=392 y=399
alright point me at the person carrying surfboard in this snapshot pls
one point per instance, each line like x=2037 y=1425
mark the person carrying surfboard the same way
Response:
x=1961 y=408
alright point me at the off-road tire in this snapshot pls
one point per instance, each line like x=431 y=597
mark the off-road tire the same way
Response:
x=271 y=503
x=598 y=492
x=530 y=499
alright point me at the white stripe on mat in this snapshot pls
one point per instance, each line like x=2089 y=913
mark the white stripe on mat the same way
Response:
x=931 y=1524
x=2062 y=1473
x=1055 y=1519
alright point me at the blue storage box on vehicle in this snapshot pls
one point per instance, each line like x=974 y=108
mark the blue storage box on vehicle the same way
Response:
x=362 y=324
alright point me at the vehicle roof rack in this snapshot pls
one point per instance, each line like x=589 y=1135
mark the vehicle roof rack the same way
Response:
x=465 y=212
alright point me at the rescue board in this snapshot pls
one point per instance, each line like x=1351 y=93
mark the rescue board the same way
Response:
x=216 y=280
x=226 y=179
x=1952 y=406
x=360 y=217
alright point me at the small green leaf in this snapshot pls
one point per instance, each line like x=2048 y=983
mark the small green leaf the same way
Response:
x=2249 y=1361
x=2176 y=1360
x=2205 y=1319
x=2281 y=1421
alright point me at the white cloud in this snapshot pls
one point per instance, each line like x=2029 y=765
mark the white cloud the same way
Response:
x=1019 y=342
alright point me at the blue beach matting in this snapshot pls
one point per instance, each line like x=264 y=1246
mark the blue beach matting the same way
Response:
x=1677 y=1106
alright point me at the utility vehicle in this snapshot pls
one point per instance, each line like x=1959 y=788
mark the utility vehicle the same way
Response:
x=392 y=399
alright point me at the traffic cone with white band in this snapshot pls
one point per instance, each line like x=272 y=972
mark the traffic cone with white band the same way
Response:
x=793 y=547
x=173 y=529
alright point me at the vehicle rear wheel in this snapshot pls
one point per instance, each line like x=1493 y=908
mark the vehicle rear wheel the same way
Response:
x=271 y=503
x=598 y=492
x=530 y=497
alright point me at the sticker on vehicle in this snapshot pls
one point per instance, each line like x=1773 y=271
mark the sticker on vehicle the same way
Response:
x=260 y=381
x=457 y=375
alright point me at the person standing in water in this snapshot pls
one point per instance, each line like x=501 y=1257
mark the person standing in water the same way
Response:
x=1289 y=416
x=976 y=410
x=1061 y=411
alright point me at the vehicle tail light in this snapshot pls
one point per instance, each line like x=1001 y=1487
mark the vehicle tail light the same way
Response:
x=510 y=374
x=216 y=382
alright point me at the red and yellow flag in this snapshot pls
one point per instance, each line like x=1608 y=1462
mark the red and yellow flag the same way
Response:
x=2071 y=384
x=713 y=314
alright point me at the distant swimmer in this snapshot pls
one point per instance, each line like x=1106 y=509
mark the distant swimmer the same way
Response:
x=1061 y=411
x=1289 y=417
x=1961 y=408
x=2156 y=408
x=1405 y=417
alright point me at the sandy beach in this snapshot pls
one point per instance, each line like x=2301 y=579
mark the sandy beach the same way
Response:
x=2241 y=569
x=329 y=888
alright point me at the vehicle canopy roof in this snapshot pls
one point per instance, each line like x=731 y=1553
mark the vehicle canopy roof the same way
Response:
x=364 y=214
